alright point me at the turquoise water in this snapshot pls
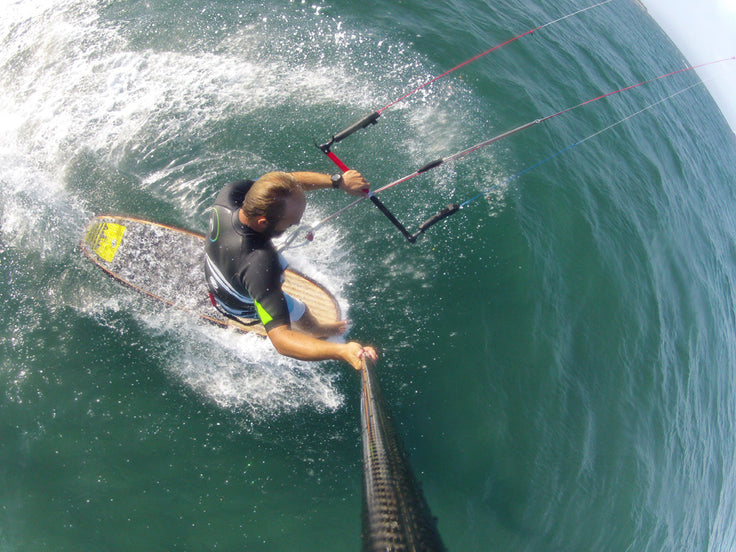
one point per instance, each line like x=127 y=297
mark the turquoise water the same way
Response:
x=559 y=356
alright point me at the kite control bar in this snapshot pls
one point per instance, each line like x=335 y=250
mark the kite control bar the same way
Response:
x=411 y=238
x=361 y=124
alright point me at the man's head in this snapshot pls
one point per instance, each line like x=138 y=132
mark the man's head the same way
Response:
x=275 y=202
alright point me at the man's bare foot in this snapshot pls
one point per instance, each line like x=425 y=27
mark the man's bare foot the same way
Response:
x=323 y=331
x=309 y=325
x=333 y=329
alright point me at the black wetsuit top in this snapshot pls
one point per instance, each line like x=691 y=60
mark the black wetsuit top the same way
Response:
x=242 y=268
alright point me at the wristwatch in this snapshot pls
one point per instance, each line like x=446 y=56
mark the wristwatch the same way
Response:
x=336 y=180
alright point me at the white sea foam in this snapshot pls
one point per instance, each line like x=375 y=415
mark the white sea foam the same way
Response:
x=243 y=372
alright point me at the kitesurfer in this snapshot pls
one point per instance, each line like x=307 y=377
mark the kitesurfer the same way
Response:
x=244 y=271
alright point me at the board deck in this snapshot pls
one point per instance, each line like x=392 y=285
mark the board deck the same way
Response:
x=167 y=264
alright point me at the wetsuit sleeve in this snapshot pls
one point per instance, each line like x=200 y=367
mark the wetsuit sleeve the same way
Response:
x=263 y=281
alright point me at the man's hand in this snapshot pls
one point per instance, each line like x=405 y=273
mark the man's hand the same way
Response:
x=354 y=353
x=354 y=183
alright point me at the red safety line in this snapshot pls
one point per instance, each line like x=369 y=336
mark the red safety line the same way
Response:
x=336 y=160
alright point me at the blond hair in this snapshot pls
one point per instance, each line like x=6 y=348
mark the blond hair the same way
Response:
x=267 y=197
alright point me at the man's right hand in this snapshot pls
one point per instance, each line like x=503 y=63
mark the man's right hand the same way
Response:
x=354 y=183
x=353 y=354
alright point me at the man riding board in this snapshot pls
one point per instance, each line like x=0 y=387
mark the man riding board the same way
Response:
x=244 y=271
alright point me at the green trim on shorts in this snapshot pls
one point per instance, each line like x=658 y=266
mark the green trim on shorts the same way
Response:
x=263 y=314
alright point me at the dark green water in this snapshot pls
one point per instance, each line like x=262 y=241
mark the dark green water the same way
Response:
x=560 y=355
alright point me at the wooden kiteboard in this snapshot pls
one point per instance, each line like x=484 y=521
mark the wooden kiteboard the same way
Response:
x=167 y=264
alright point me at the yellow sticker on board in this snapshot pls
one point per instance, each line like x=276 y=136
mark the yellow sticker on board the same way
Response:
x=104 y=238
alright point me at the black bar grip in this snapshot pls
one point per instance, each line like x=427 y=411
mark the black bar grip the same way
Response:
x=364 y=122
x=430 y=165
x=451 y=209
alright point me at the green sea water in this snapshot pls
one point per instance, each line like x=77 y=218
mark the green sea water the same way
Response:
x=559 y=355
